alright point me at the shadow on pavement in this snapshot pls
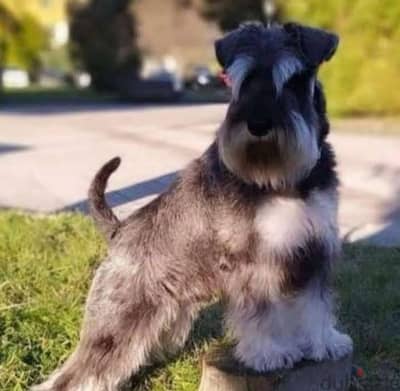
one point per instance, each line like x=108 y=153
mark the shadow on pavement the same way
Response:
x=68 y=107
x=130 y=193
x=48 y=108
x=11 y=148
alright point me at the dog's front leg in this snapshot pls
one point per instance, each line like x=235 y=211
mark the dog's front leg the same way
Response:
x=274 y=335
x=265 y=341
x=317 y=335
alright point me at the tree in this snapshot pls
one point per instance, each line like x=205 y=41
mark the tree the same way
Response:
x=22 y=40
x=228 y=14
x=8 y=26
x=103 y=40
x=30 y=41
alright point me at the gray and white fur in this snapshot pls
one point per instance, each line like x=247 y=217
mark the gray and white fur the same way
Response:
x=253 y=221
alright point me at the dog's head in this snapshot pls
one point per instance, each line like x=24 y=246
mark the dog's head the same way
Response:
x=276 y=119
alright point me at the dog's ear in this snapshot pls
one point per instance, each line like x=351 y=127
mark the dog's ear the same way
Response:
x=246 y=40
x=225 y=48
x=315 y=44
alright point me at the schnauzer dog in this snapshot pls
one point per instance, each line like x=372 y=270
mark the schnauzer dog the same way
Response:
x=252 y=221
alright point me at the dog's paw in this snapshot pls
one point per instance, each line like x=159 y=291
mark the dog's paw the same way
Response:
x=339 y=345
x=335 y=347
x=273 y=359
x=280 y=359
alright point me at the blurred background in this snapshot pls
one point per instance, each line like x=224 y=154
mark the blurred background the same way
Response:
x=82 y=81
x=147 y=50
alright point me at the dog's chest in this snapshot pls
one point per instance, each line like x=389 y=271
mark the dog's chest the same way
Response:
x=285 y=224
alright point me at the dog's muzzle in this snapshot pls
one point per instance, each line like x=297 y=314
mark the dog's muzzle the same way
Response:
x=260 y=127
x=261 y=115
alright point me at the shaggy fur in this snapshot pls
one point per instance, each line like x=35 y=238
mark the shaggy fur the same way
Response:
x=253 y=221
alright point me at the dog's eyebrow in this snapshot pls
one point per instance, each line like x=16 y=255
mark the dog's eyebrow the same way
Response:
x=238 y=71
x=284 y=69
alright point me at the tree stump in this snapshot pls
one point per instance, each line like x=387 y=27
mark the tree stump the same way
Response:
x=221 y=372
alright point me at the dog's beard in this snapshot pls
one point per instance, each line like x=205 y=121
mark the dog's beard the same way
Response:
x=278 y=160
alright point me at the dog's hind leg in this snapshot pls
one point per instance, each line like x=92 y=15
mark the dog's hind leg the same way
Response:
x=106 y=356
x=125 y=320
x=175 y=337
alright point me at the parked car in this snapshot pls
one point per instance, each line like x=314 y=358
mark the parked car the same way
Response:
x=202 y=77
x=80 y=79
x=14 y=78
x=160 y=86
x=169 y=78
x=51 y=78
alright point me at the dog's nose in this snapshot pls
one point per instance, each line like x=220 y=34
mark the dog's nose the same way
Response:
x=259 y=128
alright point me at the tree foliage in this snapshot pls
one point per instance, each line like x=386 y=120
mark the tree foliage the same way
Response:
x=22 y=40
x=364 y=76
x=228 y=14
x=8 y=25
x=103 y=39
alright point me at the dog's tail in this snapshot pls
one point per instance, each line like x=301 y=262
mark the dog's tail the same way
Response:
x=101 y=213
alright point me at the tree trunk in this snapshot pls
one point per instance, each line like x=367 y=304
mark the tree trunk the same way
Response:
x=222 y=373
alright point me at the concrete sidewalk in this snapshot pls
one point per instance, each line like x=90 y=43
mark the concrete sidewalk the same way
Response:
x=48 y=156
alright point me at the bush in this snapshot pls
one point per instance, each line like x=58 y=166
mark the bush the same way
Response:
x=103 y=39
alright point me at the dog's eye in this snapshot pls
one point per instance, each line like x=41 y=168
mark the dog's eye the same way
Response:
x=299 y=83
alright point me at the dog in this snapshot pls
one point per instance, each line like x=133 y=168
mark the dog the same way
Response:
x=252 y=221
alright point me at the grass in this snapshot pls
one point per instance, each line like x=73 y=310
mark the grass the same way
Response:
x=46 y=264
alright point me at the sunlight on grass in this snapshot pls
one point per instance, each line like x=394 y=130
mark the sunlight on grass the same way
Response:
x=46 y=264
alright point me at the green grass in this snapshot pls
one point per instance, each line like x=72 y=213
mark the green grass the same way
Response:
x=46 y=264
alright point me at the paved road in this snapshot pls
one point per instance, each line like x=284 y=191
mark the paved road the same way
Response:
x=49 y=154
